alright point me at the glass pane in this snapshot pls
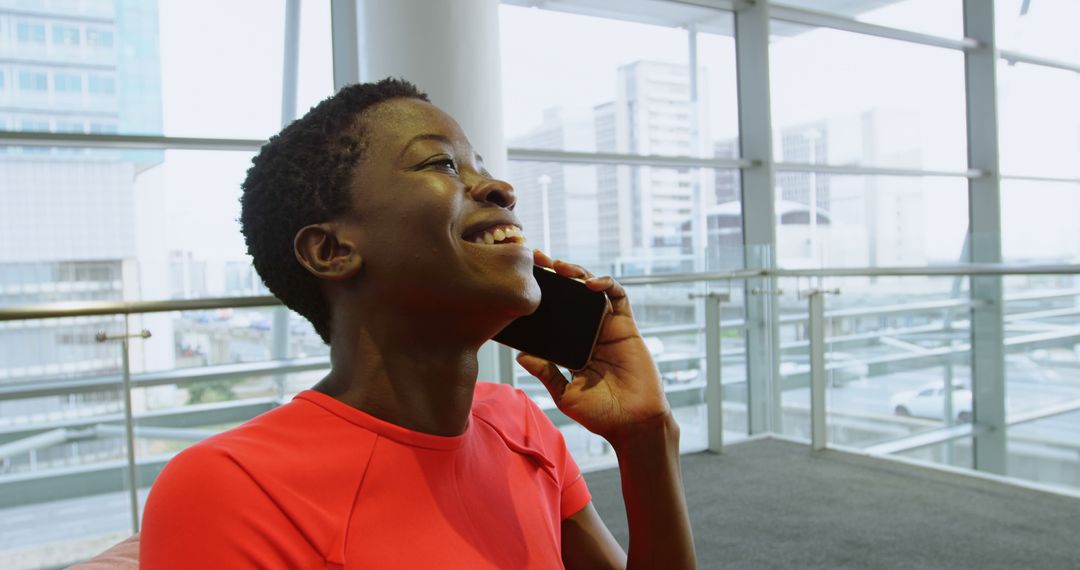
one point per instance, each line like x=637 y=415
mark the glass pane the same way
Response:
x=937 y=17
x=118 y=224
x=63 y=492
x=845 y=98
x=718 y=104
x=195 y=68
x=1045 y=451
x=316 y=81
x=1038 y=221
x=1040 y=121
x=1042 y=375
x=614 y=86
x=213 y=337
x=826 y=220
x=891 y=346
x=672 y=325
x=631 y=220
x=228 y=82
x=955 y=453
x=1045 y=28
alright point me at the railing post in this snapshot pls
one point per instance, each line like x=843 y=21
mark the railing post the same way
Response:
x=714 y=388
x=129 y=415
x=819 y=437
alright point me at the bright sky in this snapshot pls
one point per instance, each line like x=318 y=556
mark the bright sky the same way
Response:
x=222 y=78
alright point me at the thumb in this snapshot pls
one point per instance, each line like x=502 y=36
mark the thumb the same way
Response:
x=546 y=372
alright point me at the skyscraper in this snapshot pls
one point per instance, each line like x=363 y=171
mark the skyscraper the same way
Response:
x=642 y=209
x=69 y=217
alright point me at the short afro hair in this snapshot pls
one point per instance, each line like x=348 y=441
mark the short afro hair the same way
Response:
x=301 y=177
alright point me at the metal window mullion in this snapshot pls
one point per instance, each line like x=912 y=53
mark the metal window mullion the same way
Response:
x=826 y=20
x=345 y=42
x=857 y=170
x=758 y=203
x=290 y=80
x=987 y=330
x=578 y=157
x=1033 y=178
x=1017 y=57
x=141 y=142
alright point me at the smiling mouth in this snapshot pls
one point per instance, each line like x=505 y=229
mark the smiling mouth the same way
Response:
x=498 y=235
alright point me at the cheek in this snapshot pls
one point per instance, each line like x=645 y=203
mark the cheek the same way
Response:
x=414 y=236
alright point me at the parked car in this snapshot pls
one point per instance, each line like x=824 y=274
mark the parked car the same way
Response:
x=929 y=402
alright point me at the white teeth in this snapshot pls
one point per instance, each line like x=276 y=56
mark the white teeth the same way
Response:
x=501 y=234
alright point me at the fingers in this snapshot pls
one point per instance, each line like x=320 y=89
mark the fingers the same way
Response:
x=616 y=293
x=561 y=267
x=567 y=269
x=546 y=372
x=620 y=304
x=540 y=258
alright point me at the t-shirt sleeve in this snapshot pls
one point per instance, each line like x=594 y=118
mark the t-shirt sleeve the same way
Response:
x=206 y=511
x=575 y=493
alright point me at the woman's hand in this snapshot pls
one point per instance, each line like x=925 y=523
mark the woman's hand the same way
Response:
x=620 y=389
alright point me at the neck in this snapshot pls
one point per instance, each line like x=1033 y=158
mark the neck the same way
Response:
x=404 y=374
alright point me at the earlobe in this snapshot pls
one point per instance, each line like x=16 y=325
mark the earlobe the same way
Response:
x=326 y=254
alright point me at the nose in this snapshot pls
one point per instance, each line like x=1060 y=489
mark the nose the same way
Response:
x=494 y=191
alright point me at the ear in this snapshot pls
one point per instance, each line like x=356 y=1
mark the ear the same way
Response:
x=326 y=253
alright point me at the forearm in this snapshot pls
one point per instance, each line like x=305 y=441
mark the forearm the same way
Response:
x=660 y=534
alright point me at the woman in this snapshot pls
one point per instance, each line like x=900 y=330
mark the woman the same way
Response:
x=363 y=216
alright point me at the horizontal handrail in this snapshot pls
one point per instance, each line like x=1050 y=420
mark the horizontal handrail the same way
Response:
x=92 y=308
x=861 y=170
x=97 y=308
x=626 y=159
x=803 y=16
x=39 y=387
x=123 y=141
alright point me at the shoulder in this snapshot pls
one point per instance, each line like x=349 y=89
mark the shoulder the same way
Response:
x=239 y=455
x=290 y=451
x=280 y=477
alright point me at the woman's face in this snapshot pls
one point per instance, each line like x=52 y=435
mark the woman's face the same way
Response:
x=422 y=200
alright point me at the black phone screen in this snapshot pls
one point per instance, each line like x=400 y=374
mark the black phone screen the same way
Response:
x=563 y=329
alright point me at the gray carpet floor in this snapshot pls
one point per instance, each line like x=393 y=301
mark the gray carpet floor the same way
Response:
x=775 y=504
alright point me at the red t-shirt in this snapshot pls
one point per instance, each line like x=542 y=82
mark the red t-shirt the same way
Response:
x=316 y=483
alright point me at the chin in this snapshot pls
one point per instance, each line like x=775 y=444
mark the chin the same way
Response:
x=519 y=299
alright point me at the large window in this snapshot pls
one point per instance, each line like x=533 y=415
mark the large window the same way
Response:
x=124 y=224
x=641 y=143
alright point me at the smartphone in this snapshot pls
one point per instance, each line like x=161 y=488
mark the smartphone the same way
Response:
x=564 y=327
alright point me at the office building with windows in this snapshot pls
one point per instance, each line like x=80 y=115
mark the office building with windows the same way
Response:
x=71 y=215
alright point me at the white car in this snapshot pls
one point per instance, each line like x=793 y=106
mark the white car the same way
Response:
x=929 y=402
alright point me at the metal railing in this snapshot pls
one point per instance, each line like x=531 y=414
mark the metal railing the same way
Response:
x=188 y=424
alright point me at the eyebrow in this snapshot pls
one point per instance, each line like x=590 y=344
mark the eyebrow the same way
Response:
x=424 y=137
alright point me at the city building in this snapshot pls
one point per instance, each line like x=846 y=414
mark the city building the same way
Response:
x=557 y=203
x=73 y=222
x=642 y=208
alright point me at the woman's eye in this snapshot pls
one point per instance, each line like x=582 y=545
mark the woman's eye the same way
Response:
x=445 y=163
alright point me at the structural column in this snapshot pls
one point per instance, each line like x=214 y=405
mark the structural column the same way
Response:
x=984 y=198
x=759 y=216
x=451 y=51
